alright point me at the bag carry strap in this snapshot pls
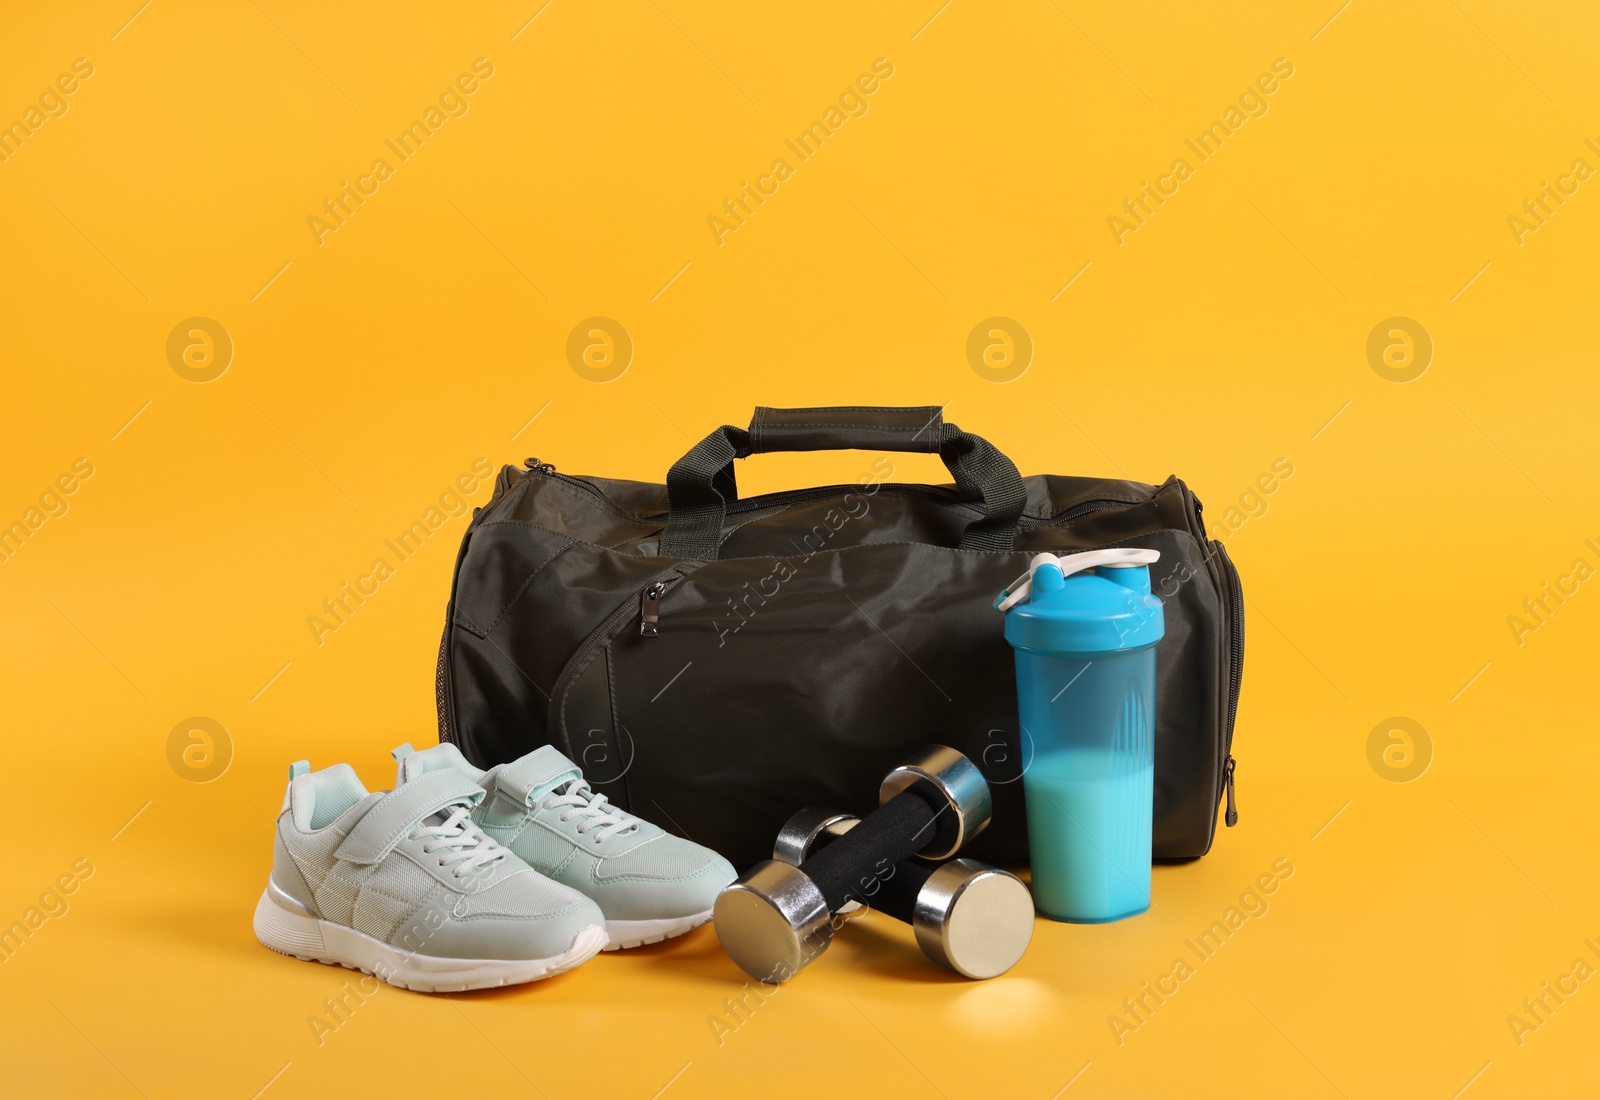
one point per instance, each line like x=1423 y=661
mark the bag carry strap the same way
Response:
x=701 y=484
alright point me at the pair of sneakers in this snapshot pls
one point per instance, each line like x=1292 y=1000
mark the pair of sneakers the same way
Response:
x=461 y=878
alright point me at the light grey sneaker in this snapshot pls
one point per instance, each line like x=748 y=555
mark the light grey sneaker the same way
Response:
x=403 y=885
x=650 y=884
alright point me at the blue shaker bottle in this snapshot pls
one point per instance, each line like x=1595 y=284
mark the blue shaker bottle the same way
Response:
x=1084 y=627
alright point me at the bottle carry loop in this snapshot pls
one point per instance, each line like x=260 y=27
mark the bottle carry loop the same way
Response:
x=1117 y=556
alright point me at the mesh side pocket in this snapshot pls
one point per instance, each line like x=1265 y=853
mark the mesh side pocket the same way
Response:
x=441 y=685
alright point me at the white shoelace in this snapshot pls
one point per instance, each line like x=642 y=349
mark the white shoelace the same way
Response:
x=467 y=849
x=593 y=810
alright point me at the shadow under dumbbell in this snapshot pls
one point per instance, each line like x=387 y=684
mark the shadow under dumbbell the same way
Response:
x=881 y=945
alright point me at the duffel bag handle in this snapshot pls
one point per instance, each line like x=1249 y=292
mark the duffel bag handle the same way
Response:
x=701 y=484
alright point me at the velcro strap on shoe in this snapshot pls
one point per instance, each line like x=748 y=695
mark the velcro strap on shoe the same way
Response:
x=399 y=811
x=536 y=773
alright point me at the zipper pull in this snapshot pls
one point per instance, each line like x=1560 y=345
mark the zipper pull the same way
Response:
x=538 y=467
x=1232 y=816
x=650 y=610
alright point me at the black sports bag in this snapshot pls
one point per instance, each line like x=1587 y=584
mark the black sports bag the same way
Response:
x=716 y=663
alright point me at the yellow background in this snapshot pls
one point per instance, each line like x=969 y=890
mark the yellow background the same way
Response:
x=1228 y=332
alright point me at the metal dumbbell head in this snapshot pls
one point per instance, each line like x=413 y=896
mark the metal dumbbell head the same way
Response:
x=948 y=780
x=776 y=918
x=801 y=832
x=974 y=919
x=772 y=921
x=968 y=917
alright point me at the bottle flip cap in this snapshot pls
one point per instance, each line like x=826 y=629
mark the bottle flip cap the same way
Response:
x=1021 y=588
x=1096 y=602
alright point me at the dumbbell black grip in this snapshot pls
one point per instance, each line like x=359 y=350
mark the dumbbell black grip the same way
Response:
x=846 y=868
x=892 y=889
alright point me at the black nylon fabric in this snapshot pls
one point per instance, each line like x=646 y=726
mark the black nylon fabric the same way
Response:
x=834 y=631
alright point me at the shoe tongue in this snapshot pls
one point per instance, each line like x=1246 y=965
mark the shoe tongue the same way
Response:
x=442 y=757
x=442 y=814
x=535 y=775
x=438 y=817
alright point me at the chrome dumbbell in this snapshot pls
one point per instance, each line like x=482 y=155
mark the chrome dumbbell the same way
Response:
x=968 y=917
x=777 y=917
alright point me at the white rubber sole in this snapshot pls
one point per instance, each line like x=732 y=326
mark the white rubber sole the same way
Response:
x=637 y=933
x=314 y=940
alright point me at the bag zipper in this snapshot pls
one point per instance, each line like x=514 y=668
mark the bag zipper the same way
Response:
x=1231 y=818
x=1235 y=598
x=1077 y=511
x=650 y=606
x=601 y=636
x=796 y=496
x=650 y=597
x=766 y=500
